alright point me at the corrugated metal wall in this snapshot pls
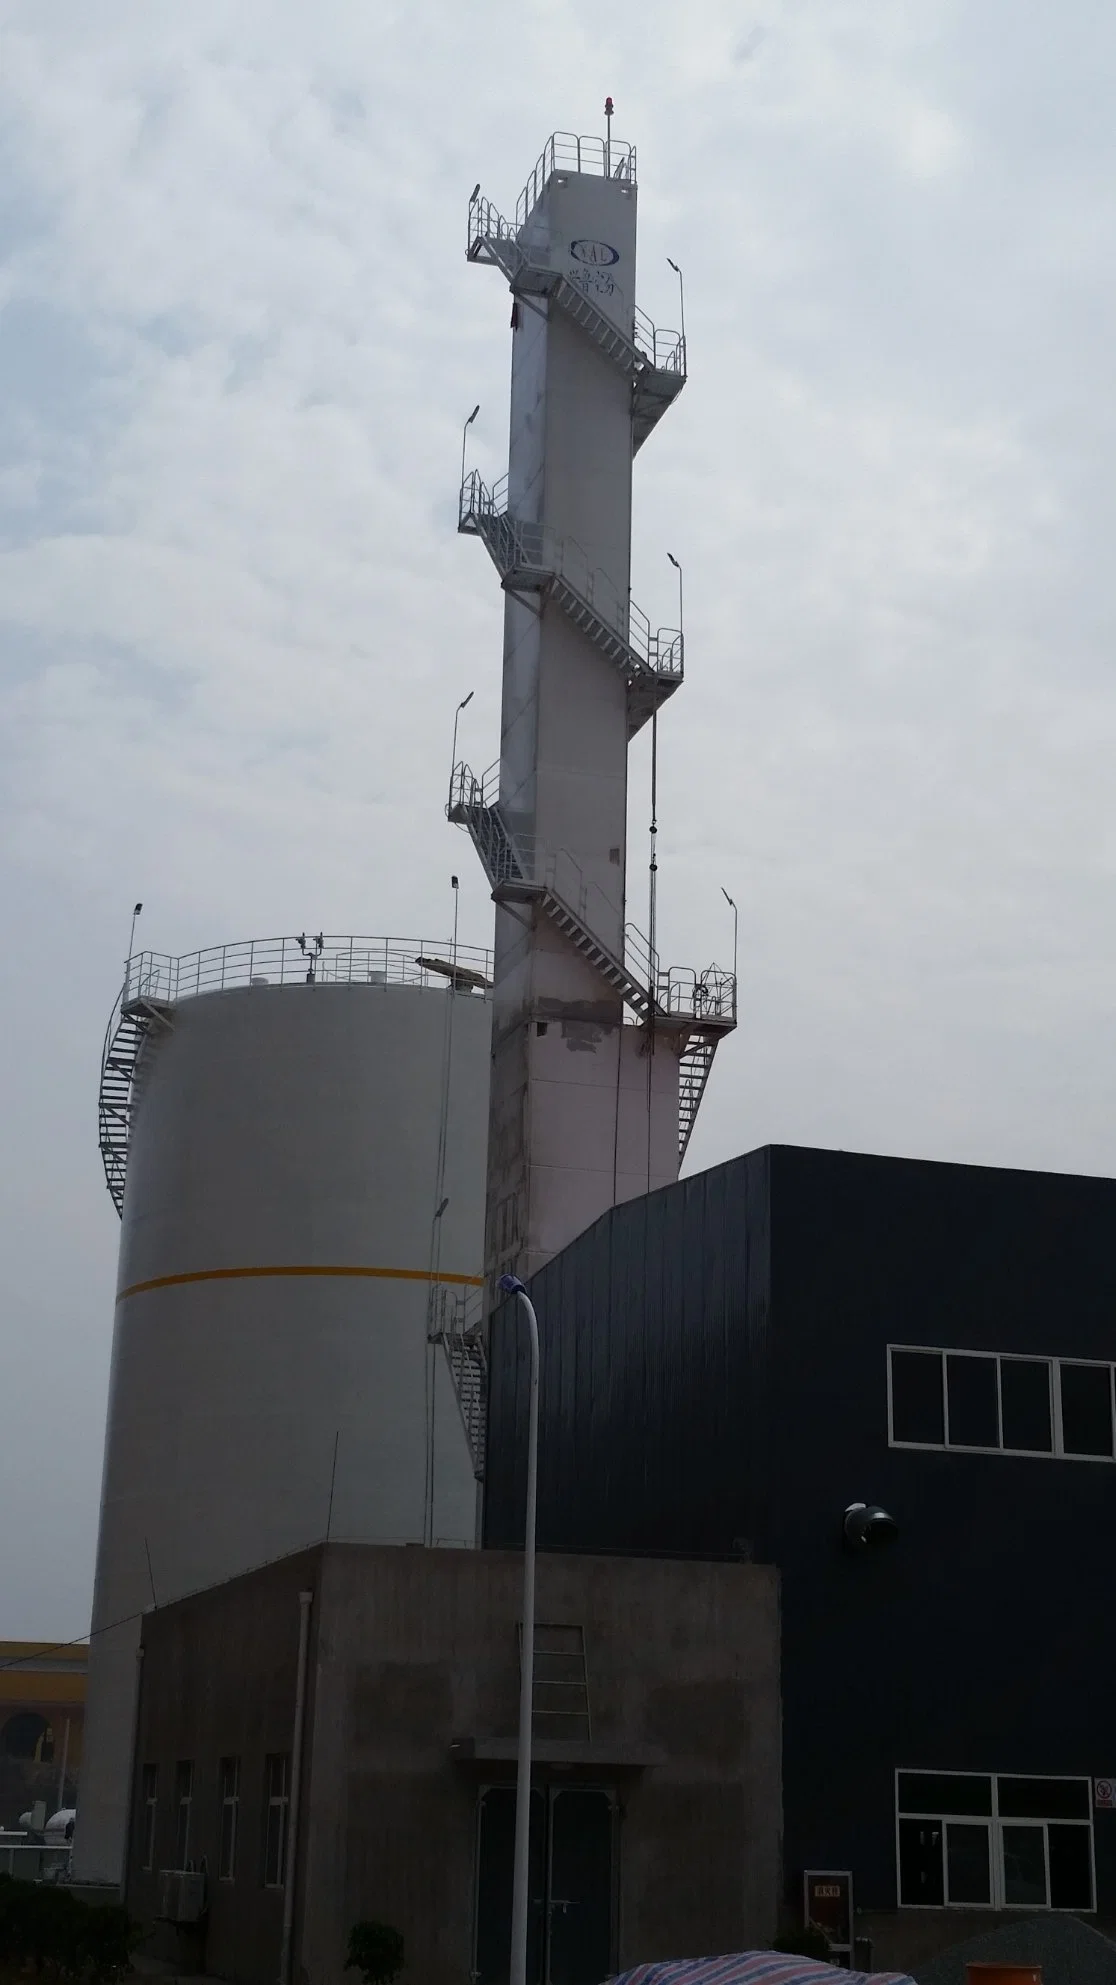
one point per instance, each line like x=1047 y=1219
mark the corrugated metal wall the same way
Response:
x=653 y=1329
x=715 y=1369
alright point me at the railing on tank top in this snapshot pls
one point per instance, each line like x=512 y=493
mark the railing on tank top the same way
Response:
x=308 y=959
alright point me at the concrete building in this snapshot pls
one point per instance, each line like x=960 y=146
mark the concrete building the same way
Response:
x=294 y=1133
x=586 y=1110
x=42 y=1713
x=384 y=1788
x=730 y=1363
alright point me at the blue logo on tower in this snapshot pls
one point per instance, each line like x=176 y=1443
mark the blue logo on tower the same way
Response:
x=598 y=254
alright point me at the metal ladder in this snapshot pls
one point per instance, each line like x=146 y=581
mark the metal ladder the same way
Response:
x=457 y=1324
x=122 y=1067
x=560 y=1684
x=694 y=1065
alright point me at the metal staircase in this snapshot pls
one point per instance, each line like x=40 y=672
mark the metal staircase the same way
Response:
x=691 y=1009
x=517 y=874
x=694 y=1064
x=653 y=360
x=131 y=1024
x=651 y=660
x=457 y=1324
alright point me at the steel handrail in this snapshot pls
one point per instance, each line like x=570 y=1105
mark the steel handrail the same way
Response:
x=163 y=980
x=564 y=151
x=659 y=650
x=663 y=349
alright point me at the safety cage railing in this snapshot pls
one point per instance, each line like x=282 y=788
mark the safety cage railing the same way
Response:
x=564 y=151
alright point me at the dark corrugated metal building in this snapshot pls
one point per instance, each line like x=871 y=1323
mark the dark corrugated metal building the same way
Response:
x=730 y=1362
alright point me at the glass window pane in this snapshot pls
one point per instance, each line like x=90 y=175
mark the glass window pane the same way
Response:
x=920 y=1863
x=944 y=1792
x=1044 y=1798
x=1071 y=1874
x=916 y=1397
x=1025 y=1404
x=971 y=1386
x=1086 y=1409
x=968 y=1869
x=1025 y=1866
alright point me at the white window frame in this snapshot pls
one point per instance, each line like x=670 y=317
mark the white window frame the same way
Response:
x=1056 y=1452
x=229 y=1804
x=996 y=1822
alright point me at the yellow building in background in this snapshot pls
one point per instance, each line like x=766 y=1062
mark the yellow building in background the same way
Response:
x=42 y=1715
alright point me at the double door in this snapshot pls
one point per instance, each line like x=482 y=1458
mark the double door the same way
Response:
x=570 y=1906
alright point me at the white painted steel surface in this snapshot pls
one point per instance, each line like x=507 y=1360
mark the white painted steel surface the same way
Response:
x=576 y=1122
x=284 y=1137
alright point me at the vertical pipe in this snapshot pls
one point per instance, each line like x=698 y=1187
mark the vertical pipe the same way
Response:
x=133 y=1776
x=521 y=1883
x=305 y=1599
x=62 y=1769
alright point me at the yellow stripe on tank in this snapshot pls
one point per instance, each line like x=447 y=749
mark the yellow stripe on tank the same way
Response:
x=241 y=1274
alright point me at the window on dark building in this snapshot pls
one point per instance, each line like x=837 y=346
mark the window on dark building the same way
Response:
x=1024 y=1849
x=228 y=1816
x=1025 y=1404
x=1086 y=1392
x=998 y=1402
x=277 y=1805
x=921 y=1872
x=183 y=1800
x=150 y=1808
x=917 y=1412
x=969 y=1861
x=1004 y=1842
x=1071 y=1866
x=972 y=1393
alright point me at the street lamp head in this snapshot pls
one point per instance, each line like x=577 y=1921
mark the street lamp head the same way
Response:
x=674 y=561
x=727 y=897
x=674 y=265
x=510 y=1285
x=474 y=193
x=473 y=415
x=465 y=700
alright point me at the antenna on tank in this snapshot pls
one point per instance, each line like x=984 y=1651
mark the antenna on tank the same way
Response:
x=608 y=137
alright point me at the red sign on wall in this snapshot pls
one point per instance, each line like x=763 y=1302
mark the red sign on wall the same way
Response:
x=827 y=1901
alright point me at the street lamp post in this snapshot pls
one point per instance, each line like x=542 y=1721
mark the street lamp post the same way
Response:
x=735 y=935
x=681 y=309
x=463 y=705
x=464 y=438
x=510 y=1285
x=131 y=948
x=678 y=568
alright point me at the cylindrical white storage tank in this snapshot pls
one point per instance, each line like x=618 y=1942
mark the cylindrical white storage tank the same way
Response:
x=304 y=1196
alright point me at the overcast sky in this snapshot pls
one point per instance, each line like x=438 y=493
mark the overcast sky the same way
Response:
x=238 y=337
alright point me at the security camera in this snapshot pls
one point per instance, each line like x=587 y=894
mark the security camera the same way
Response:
x=867 y=1527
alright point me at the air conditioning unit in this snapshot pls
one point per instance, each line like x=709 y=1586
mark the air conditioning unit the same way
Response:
x=181 y=1895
